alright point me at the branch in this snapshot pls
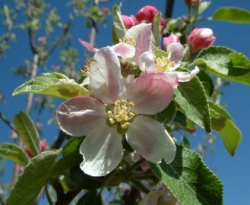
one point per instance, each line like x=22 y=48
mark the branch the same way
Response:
x=2 y=116
x=169 y=9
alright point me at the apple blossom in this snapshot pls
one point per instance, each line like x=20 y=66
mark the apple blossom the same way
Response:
x=117 y=111
x=170 y=39
x=200 y=38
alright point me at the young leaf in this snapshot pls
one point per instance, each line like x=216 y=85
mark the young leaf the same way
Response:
x=189 y=179
x=224 y=63
x=34 y=177
x=14 y=153
x=26 y=128
x=223 y=124
x=54 y=84
x=230 y=14
x=156 y=29
x=193 y=101
x=118 y=28
x=206 y=81
x=203 y=6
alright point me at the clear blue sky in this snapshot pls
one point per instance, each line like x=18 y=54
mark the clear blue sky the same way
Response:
x=232 y=171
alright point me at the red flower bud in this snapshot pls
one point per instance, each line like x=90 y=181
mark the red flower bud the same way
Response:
x=200 y=38
x=42 y=145
x=168 y=40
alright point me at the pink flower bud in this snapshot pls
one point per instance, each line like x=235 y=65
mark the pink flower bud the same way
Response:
x=106 y=10
x=200 y=38
x=42 y=145
x=192 y=2
x=147 y=13
x=129 y=21
x=168 y=40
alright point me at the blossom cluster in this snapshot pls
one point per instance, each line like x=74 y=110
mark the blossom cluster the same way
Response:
x=129 y=83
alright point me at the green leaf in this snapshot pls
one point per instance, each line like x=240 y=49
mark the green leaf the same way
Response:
x=206 y=81
x=223 y=124
x=224 y=63
x=118 y=28
x=233 y=15
x=26 y=128
x=192 y=99
x=189 y=179
x=167 y=115
x=14 y=153
x=34 y=177
x=91 y=197
x=54 y=84
x=85 y=181
x=157 y=29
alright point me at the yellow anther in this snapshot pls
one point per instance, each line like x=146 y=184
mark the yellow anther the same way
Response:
x=131 y=41
x=164 y=64
x=121 y=113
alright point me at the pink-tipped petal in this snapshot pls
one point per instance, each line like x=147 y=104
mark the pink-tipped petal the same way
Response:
x=175 y=51
x=105 y=75
x=151 y=140
x=126 y=51
x=143 y=42
x=88 y=46
x=79 y=115
x=101 y=150
x=151 y=93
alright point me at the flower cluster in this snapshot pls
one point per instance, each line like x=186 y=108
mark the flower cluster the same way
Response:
x=129 y=83
x=145 y=14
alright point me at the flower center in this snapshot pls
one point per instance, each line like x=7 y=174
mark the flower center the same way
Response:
x=121 y=113
x=131 y=41
x=163 y=64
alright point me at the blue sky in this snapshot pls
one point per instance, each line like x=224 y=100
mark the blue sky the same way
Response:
x=232 y=171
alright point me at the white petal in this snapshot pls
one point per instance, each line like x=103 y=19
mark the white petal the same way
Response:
x=105 y=75
x=175 y=51
x=101 y=150
x=147 y=62
x=79 y=115
x=151 y=140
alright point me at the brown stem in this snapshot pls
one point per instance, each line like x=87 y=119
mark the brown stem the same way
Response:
x=2 y=116
x=169 y=9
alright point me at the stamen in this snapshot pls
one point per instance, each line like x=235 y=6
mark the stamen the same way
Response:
x=131 y=41
x=164 y=64
x=121 y=113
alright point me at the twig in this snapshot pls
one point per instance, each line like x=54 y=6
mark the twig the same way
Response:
x=2 y=116
x=169 y=8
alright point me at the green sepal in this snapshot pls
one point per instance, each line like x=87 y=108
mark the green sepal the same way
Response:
x=223 y=124
x=54 y=84
x=14 y=153
x=189 y=179
x=233 y=15
x=27 y=130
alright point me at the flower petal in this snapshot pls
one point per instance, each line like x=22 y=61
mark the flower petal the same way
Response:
x=175 y=51
x=143 y=42
x=101 y=150
x=151 y=140
x=88 y=46
x=105 y=75
x=185 y=76
x=126 y=51
x=147 y=62
x=79 y=115
x=151 y=93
